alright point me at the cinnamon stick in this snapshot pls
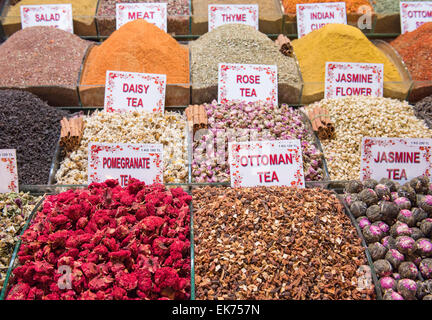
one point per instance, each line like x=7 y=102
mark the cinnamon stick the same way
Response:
x=285 y=46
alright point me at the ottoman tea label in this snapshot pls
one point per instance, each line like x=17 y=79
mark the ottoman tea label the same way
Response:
x=155 y=13
x=49 y=15
x=414 y=13
x=220 y=14
x=8 y=171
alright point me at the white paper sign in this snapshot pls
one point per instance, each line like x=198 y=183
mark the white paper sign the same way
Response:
x=220 y=14
x=155 y=13
x=394 y=158
x=125 y=161
x=247 y=82
x=49 y=15
x=354 y=79
x=314 y=16
x=266 y=163
x=8 y=171
x=414 y=13
x=131 y=91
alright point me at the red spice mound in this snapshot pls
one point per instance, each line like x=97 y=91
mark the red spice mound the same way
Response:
x=117 y=243
x=415 y=49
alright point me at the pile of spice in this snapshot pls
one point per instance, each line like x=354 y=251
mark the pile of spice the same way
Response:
x=352 y=6
x=396 y=221
x=261 y=243
x=358 y=117
x=168 y=129
x=388 y=6
x=116 y=243
x=238 y=43
x=423 y=110
x=249 y=122
x=32 y=127
x=41 y=56
x=15 y=209
x=339 y=43
x=138 y=46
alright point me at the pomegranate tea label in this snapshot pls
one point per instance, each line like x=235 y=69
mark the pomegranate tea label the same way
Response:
x=131 y=91
x=266 y=163
x=414 y=13
x=247 y=82
x=353 y=79
x=314 y=16
x=125 y=161
x=8 y=171
x=394 y=158
x=220 y=14
x=155 y=13
x=49 y=15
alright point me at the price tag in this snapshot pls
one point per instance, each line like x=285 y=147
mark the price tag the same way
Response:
x=266 y=163
x=8 y=171
x=414 y=13
x=354 y=79
x=125 y=161
x=314 y=16
x=394 y=158
x=155 y=13
x=220 y=14
x=49 y=15
x=131 y=91
x=247 y=82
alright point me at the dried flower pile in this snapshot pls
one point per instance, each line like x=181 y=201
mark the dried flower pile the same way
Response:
x=274 y=243
x=396 y=221
x=15 y=209
x=249 y=121
x=117 y=243
x=168 y=129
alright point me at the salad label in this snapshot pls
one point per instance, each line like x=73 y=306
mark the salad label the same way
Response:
x=131 y=91
x=8 y=171
x=125 y=161
x=220 y=14
x=266 y=163
x=394 y=158
x=353 y=79
x=414 y=13
x=49 y=15
x=247 y=82
x=155 y=13
x=314 y=16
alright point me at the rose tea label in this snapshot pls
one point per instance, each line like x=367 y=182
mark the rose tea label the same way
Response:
x=414 y=13
x=394 y=158
x=266 y=163
x=247 y=82
x=220 y=14
x=8 y=171
x=125 y=161
x=155 y=13
x=49 y=15
x=131 y=91
x=353 y=79
x=314 y=16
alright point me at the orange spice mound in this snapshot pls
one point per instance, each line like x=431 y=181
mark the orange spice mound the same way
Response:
x=138 y=46
x=351 y=5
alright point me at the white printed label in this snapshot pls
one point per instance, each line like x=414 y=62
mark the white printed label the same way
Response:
x=220 y=14
x=155 y=13
x=49 y=15
x=125 y=161
x=414 y=13
x=353 y=79
x=131 y=91
x=266 y=163
x=8 y=171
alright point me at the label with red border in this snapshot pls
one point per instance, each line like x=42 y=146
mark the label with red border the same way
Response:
x=354 y=79
x=132 y=91
x=414 y=13
x=314 y=16
x=395 y=158
x=220 y=14
x=48 y=15
x=124 y=161
x=8 y=171
x=248 y=83
x=266 y=163
x=155 y=13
